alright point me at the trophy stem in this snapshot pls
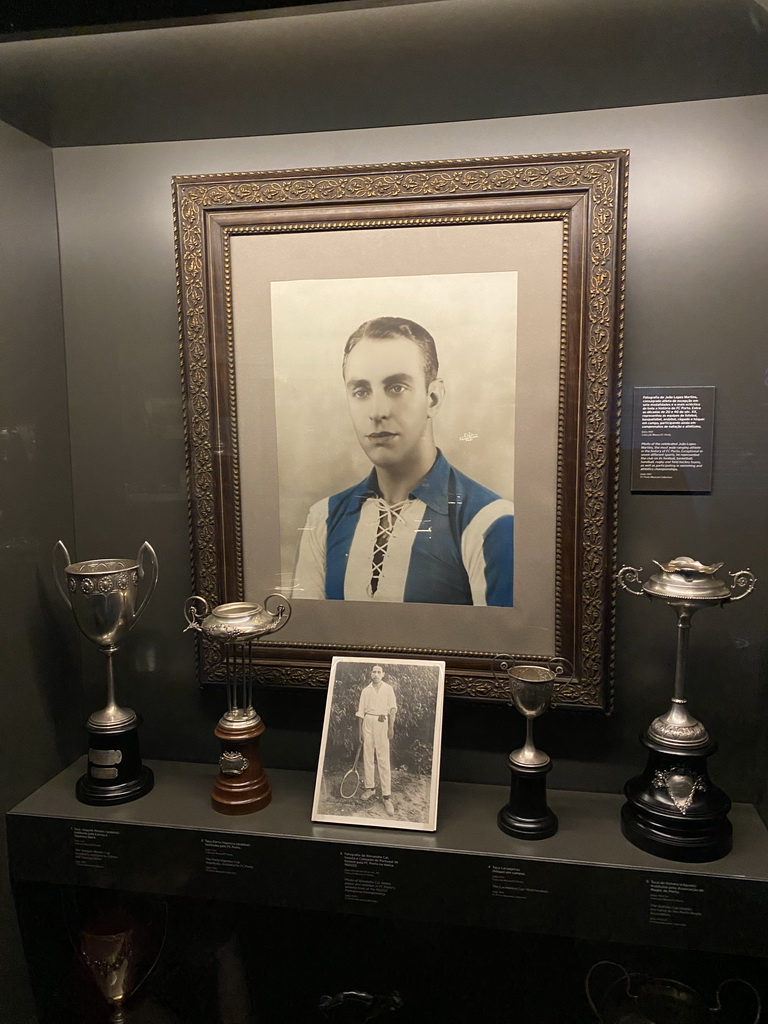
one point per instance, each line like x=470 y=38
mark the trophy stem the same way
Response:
x=111 y=703
x=118 y=1014
x=678 y=727
x=681 y=662
x=528 y=755
x=111 y=717
x=249 y=677
x=529 y=750
x=231 y=678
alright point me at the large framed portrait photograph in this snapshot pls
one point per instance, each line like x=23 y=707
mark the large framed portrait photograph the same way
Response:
x=380 y=753
x=322 y=452
x=401 y=389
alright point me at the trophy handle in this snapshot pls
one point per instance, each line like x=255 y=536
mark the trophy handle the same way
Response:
x=626 y=576
x=146 y=546
x=742 y=579
x=560 y=668
x=56 y=576
x=739 y=981
x=500 y=667
x=588 y=980
x=282 y=613
x=192 y=614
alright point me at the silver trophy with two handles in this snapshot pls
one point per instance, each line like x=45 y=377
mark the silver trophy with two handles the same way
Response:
x=103 y=594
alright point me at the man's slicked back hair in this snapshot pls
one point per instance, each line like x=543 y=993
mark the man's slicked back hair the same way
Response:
x=384 y=327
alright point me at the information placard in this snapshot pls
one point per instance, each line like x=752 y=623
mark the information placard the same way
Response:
x=672 y=439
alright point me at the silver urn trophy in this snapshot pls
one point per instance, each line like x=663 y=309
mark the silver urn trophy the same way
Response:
x=531 y=687
x=673 y=810
x=241 y=786
x=103 y=594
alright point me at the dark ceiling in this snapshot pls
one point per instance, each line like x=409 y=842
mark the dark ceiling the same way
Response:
x=372 y=63
x=25 y=16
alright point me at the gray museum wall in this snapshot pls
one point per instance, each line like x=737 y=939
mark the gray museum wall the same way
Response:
x=696 y=309
x=41 y=700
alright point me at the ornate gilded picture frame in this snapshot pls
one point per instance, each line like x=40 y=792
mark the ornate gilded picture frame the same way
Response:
x=512 y=268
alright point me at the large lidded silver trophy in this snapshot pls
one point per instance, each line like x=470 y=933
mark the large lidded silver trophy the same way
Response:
x=673 y=810
x=241 y=786
x=103 y=594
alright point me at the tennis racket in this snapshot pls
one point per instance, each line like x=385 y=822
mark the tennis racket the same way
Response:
x=351 y=781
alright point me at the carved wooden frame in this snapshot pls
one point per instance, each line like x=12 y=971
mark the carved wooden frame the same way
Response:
x=588 y=192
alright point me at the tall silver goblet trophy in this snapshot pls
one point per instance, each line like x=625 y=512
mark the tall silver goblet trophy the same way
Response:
x=103 y=594
x=531 y=687
x=673 y=809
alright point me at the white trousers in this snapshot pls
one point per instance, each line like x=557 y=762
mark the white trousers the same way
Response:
x=376 y=746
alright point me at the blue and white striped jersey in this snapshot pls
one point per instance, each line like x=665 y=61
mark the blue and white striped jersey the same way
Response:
x=452 y=543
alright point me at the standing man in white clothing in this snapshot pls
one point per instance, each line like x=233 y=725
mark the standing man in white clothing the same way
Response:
x=376 y=715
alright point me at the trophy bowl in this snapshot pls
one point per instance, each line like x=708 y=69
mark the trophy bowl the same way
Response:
x=103 y=595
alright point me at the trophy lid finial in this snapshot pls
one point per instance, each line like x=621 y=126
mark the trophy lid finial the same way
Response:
x=684 y=564
x=686 y=579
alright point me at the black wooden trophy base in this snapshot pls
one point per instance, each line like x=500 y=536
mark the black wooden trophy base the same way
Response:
x=527 y=815
x=115 y=773
x=673 y=810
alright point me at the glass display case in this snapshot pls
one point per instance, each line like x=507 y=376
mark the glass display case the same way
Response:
x=163 y=910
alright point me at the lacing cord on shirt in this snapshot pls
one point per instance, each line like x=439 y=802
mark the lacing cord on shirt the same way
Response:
x=389 y=517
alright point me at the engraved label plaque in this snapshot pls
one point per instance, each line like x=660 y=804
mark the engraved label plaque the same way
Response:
x=104 y=757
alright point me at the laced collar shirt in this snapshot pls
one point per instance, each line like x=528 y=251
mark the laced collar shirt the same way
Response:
x=450 y=542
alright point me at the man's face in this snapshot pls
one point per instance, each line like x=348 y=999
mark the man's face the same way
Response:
x=377 y=674
x=388 y=398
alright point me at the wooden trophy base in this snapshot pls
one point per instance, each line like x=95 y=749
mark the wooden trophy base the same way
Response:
x=241 y=786
x=527 y=815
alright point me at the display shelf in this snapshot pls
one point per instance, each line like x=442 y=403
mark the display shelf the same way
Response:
x=587 y=881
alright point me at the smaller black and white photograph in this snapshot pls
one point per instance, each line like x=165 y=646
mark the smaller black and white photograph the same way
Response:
x=380 y=752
